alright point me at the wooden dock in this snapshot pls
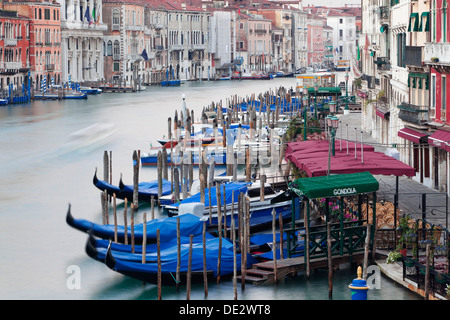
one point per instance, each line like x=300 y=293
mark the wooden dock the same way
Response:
x=263 y=272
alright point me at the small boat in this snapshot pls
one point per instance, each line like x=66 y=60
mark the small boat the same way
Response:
x=151 y=158
x=90 y=90
x=189 y=224
x=39 y=95
x=96 y=248
x=3 y=102
x=146 y=190
x=188 y=142
x=264 y=243
x=170 y=83
x=148 y=272
x=260 y=211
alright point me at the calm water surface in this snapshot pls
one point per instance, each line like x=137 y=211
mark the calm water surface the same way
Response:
x=43 y=168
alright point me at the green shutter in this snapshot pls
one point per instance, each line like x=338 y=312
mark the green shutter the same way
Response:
x=415 y=16
x=425 y=27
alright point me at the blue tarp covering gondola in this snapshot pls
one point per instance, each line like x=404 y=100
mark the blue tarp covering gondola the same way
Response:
x=237 y=187
x=148 y=271
x=145 y=189
x=189 y=224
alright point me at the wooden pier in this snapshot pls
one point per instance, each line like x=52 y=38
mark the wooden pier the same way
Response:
x=264 y=272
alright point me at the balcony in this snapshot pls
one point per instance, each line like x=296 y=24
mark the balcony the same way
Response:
x=437 y=50
x=9 y=42
x=116 y=57
x=413 y=56
x=413 y=113
x=50 y=67
x=12 y=65
x=383 y=63
x=260 y=31
x=115 y=27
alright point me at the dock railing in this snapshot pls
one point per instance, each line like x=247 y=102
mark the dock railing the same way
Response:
x=346 y=238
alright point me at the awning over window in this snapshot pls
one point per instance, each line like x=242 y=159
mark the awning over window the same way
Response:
x=426 y=26
x=415 y=27
x=440 y=139
x=412 y=135
x=382 y=113
x=335 y=185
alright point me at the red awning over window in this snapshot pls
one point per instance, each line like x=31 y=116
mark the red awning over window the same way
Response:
x=440 y=139
x=412 y=135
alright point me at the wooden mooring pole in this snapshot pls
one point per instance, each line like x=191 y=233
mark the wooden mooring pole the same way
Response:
x=330 y=262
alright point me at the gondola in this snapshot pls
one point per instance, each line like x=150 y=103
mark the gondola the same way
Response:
x=146 y=190
x=148 y=272
x=189 y=224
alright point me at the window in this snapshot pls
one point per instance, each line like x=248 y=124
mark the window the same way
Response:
x=116 y=67
x=341 y=21
x=433 y=91
x=116 y=17
x=341 y=33
x=109 y=48
x=444 y=94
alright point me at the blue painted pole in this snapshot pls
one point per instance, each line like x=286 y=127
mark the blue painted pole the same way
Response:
x=359 y=287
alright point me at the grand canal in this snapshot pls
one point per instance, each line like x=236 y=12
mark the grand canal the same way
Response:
x=44 y=166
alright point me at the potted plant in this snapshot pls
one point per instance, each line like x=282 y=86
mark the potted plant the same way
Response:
x=434 y=59
x=393 y=256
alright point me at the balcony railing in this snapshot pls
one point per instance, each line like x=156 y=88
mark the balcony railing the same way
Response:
x=10 y=42
x=437 y=50
x=413 y=113
x=49 y=67
x=115 y=27
x=383 y=63
x=12 y=65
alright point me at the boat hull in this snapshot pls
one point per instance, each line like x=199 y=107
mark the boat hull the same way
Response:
x=146 y=190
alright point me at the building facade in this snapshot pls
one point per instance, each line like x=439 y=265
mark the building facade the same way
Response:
x=82 y=31
x=14 y=49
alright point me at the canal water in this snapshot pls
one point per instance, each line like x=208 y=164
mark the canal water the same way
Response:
x=49 y=153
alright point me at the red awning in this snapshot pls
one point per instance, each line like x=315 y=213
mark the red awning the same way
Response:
x=382 y=113
x=411 y=135
x=440 y=139
x=314 y=160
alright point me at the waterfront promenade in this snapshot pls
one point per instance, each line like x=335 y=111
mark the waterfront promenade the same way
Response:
x=409 y=201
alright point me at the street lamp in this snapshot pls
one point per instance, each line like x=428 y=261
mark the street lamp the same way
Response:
x=333 y=123
x=305 y=106
x=346 y=111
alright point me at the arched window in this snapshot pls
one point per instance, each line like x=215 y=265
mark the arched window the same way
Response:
x=116 y=16
x=116 y=47
x=109 y=48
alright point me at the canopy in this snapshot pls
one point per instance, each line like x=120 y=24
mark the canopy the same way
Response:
x=335 y=185
x=312 y=157
x=412 y=135
x=440 y=139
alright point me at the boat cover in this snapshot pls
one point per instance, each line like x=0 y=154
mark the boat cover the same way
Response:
x=237 y=187
x=169 y=265
x=189 y=224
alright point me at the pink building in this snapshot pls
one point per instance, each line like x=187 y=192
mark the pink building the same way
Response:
x=315 y=42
